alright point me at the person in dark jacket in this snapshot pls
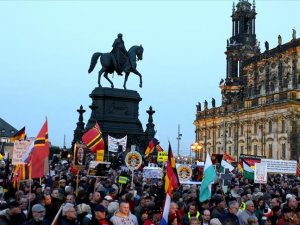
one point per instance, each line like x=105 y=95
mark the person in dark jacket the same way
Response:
x=230 y=217
x=38 y=213
x=100 y=216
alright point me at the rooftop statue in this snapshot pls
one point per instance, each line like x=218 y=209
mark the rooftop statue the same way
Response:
x=118 y=60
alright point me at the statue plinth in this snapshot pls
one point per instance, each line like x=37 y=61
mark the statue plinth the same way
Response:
x=117 y=112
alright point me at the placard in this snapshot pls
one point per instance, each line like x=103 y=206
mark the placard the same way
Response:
x=281 y=166
x=152 y=172
x=260 y=173
x=162 y=156
x=19 y=150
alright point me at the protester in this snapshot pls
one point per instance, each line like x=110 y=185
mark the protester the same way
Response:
x=38 y=213
x=124 y=216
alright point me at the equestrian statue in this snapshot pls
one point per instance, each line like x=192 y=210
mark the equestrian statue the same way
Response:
x=118 y=60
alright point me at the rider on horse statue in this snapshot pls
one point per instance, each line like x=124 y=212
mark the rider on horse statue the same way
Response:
x=120 y=54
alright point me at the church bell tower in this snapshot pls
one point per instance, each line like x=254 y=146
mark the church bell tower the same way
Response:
x=240 y=46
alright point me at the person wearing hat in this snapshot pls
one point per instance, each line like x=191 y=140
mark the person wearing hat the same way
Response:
x=38 y=213
x=219 y=209
x=99 y=217
x=154 y=216
x=120 y=53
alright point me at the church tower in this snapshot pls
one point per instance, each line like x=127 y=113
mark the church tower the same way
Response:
x=241 y=46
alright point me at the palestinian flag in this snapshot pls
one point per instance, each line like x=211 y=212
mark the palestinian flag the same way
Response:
x=248 y=171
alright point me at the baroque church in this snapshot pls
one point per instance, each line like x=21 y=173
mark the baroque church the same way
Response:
x=260 y=109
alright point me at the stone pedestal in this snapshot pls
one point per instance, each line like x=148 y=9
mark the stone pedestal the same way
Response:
x=117 y=113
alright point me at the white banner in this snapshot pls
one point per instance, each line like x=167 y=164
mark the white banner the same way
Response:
x=260 y=173
x=153 y=172
x=114 y=144
x=281 y=166
x=19 y=151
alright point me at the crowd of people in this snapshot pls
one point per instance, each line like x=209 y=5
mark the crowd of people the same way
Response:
x=82 y=199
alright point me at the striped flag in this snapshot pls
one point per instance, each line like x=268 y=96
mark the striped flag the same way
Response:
x=208 y=178
x=93 y=139
x=40 y=152
x=152 y=143
x=248 y=171
x=20 y=135
x=171 y=183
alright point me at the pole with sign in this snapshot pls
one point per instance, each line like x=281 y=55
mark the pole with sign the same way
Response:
x=133 y=161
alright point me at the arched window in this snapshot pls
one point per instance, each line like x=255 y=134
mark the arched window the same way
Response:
x=282 y=126
x=283 y=151
x=270 y=126
x=270 y=151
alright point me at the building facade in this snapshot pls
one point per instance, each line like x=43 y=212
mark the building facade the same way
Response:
x=260 y=109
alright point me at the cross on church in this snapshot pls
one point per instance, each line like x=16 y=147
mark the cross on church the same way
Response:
x=226 y=177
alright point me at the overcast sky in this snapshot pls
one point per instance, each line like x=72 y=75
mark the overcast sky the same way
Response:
x=46 y=48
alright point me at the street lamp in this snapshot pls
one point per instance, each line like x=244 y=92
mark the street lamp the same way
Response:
x=196 y=148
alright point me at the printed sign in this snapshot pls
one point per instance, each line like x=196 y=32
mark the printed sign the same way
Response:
x=117 y=144
x=152 y=172
x=260 y=173
x=162 y=156
x=19 y=150
x=133 y=160
x=281 y=166
x=184 y=172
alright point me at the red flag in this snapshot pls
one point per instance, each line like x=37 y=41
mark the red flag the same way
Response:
x=228 y=158
x=20 y=135
x=171 y=179
x=40 y=153
x=93 y=139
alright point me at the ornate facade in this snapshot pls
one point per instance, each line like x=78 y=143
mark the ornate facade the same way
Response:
x=260 y=109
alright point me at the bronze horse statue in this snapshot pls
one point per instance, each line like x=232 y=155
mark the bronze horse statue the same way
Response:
x=108 y=63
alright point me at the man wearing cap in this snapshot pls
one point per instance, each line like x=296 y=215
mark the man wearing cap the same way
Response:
x=38 y=213
x=99 y=217
x=219 y=209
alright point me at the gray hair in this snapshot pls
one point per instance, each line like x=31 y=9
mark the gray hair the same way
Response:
x=66 y=208
x=249 y=202
x=215 y=221
x=233 y=204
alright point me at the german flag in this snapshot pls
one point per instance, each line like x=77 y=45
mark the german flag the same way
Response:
x=171 y=179
x=20 y=135
x=93 y=139
x=152 y=143
x=21 y=172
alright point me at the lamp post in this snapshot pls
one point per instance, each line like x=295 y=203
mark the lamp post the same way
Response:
x=196 y=148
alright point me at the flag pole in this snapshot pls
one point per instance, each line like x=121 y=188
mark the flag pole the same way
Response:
x=77 y=182
x=29 y=183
